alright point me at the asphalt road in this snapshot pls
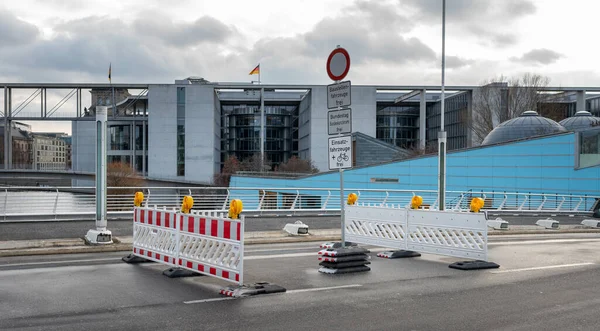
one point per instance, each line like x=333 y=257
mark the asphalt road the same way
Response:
x=78 y=229
x=547 y=284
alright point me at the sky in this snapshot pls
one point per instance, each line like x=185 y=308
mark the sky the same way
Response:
x=390 y=42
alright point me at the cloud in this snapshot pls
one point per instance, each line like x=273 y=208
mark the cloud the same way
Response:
x=81 y=49
x=84 y=47
x=483 y=19
x=472 y=10
x=380 y=15
x=14 y=31
x=149 y=46
x=204 y=29
x=455 y=62
x=539 y=56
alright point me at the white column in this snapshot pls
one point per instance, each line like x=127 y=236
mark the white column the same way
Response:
x=100 y=235
x=6 y=128
x=423 y=120
x=262 y=126
x=580 y=106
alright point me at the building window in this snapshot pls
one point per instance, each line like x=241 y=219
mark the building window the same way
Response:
x=181 y=131
x=119 y=137
x=240 y=131
x=589 y=148
x=397 y=125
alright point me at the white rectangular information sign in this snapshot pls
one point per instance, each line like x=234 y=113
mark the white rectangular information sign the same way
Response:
x=338 y=95
x=339 y=121
x=340 y=152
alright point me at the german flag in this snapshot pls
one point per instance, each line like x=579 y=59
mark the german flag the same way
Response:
x=255 y=71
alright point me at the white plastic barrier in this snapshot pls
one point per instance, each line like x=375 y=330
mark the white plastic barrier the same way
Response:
x=207 y=243
x=154 y=235
x=378 y=226
x=452 y=233
x=459 y=234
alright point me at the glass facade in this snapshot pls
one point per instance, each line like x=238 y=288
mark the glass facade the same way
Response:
x=529 y=124
x=589 y=148
x=593 y=106
x=398 y=125
x=120 y=137
x=181 y=131
x=125 y=159
x=455 y=116
x=240 y=131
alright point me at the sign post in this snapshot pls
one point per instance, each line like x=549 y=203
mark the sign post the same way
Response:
x=339 y=121
x=100 y=235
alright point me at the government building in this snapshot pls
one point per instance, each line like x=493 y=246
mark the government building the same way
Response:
x=184 y=132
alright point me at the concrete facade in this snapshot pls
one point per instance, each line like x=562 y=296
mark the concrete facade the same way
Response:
x=162 y=127
x=219 y=115
x=364 y=101
x=202 y=137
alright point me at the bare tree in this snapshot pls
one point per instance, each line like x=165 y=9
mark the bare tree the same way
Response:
x=297 y=165
x=230 y=167
x=122 y=180
x=255 y=164
x=120 y=174
x=500 y=99
x=430 y=148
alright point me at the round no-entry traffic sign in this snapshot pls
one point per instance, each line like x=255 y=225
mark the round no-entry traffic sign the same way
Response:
x=338 y=64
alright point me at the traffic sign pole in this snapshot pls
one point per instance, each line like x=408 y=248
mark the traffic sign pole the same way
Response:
x=342 y=209
x=342 y=202
x=339 y=94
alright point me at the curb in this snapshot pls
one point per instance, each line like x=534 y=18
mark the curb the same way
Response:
x=77 y=245
x=118 y=246
x=65 y=250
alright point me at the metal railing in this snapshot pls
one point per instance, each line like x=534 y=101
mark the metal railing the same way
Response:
x=74 y=203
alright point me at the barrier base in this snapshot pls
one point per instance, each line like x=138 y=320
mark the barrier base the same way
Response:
x=343 y=260
x=134 y=259
x=337 y=244
x=251 y=290
x=180 y=272
x=474 y=265
x=347 y=251
x=341 y=265
x=344 y=270
x=97 y=237
x=398 y=254
x=357 y=257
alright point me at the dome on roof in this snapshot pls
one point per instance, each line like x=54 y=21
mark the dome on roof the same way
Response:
x=581 y=121
x=529 y=124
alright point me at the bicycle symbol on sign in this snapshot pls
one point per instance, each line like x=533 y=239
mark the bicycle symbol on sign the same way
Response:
x=342 y=156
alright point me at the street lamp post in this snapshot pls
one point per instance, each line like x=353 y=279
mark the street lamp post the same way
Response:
x=442 y=137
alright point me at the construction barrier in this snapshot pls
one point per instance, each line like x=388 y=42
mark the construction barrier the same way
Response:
x=205 y=243
x=452 y=233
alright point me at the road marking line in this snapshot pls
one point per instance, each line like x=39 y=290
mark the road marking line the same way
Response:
x=56 y=262
x=541 y=241
x=208 y=300
x=287 y=292
x=322 y=288
x=544 y=268
x=279 y=249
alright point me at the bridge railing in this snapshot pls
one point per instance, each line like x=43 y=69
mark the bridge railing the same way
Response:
x=72 y=203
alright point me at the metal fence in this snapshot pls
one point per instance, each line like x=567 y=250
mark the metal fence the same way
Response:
x=73 y=203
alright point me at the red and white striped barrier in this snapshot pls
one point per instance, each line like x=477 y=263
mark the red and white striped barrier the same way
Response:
x=212 y=246
x=154 y=234
x=209 y=243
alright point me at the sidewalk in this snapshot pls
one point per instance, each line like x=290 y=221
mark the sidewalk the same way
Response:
x=123 y=244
